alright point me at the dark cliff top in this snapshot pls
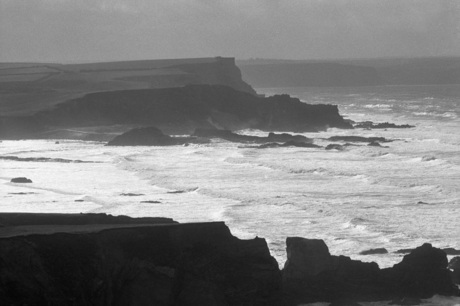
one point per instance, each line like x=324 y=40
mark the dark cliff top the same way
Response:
x=24 y=224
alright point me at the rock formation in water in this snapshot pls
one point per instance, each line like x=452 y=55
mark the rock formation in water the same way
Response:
x=234 y=137
x=21 y=180
x=383 y=125
x=178 y=111
x=151 y=136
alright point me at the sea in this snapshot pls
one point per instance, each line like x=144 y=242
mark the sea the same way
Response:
x=397 y=196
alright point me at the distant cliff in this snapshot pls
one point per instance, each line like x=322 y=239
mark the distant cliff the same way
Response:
x=309 y=74
x=26 y=88
x=177 y=110
x=353 y=72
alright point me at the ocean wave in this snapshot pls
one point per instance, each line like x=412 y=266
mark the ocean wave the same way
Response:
x=380 y=106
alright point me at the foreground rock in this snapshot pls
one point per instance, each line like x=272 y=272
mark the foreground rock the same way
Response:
x=150 y=264
x=311 y=274
x=454 y=265
x=98 y=259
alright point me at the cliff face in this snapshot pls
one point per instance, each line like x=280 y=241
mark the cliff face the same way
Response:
x=182 y=110
x=98 y=259
x=181 y=264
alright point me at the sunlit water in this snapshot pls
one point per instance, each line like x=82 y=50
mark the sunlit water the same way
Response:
x=357 y=199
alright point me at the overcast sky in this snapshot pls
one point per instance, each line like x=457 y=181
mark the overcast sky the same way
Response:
x=101 y=30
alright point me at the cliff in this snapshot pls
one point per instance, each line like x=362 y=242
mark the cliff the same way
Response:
x=97 y=259
x=178 y=110
x=126 y=264
x=26 y=88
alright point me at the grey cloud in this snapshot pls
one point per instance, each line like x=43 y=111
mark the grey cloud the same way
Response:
x=65 y=30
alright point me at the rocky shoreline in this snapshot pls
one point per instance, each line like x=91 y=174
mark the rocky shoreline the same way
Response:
x=98 y=259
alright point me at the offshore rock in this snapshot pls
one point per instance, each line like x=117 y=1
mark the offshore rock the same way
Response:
x=21 y=180
x=359 y=139
x=135 y=264
x=288 y=144
x=150 y=136
x=374 y=251
x=384 y=125
x=234 y=137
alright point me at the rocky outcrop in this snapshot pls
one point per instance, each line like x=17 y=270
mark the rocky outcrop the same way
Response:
x=359 y=139
x=311 y=274
x=181 y=111
x=422 y=273
x=99 y=259
x=288 y=144
x=384 y=125
x=454 y=265
x=151 y=136
x=21 y=180
x=230 y=136
x=169 y=264
x=374 y=251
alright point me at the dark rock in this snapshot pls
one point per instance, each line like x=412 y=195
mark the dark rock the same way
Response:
x=406 y=301
x=79 y=201
x=345 y=303
x=358 y=139
x=454 y=265
x=151 y=136
x=288 y=144
x=374 y=144
x=19 y=219
x=150 y=201
x=335 y=146
x=404 y=251
x=234 y=137
x=21 y=180
x=451 y=251
x=384 y=125
x=147 y=136
x=175 y=264
x=179 y=110
x=44 y=159
x=129 y=194
x=374 y=251
x=285 y=137
x=311 y=274
x=422 y=273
